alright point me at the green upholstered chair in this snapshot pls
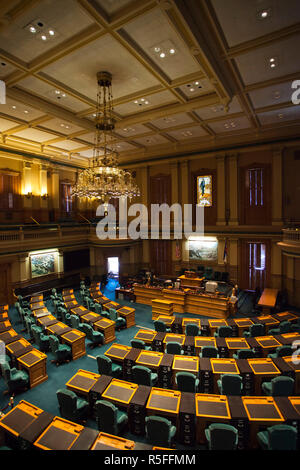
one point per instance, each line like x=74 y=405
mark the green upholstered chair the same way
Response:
x=107 y=367
x=224 y=332
x=22 y=312
x=75 y=323
x=16 y=380
x=98 y=308
x=230 y=384
x=61 y=312
x=295 y=326
x=255 y=330
x=281 y=351
x=159 y=431
x=244 y=354
x=278 y=437
x=109 y=418
x=284 y=327
x=139 y=344
x=23 y=303
x=221 y=436
x=56 y=294
x=161 y=326
x=192 y=330
x=120 y=322
x=29 y=322
x=88 y=302
x=281 y=386
x=209 y=351
x=62 y=352
x=174 y=348
x=66 y=317
x=40 y=338
x=95 y=337
x=70 y=406
x=187 y=382
x=144 y=376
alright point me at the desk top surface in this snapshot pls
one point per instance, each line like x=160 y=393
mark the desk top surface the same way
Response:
x=120 y=391
x=31 y=358
x=243 y=322
x=263 y=366
x=147 y=335
x=186 y=363
x=268 y=297
x=17 y=346
x=237 y=343
x=194 y=321
x=59 y=435
x=268 y=320
x=73 y=335
x=267 y=341
x=167 y=319
x=217 y=323
x=20 y=417
x=83 y=380
x=104 y=323
x=173 y=337
x=262 y=409
x=106 y=441
x=126 y=310
x=201 y=341
x=224 y=366
x=149 y=358
x=118 y=351
x=212 y=406
x=164 y=400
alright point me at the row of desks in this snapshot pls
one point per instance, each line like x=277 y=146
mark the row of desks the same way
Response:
x=28 y=427
x=238 y=325
x=191 y=413
x=192 y=345
x=253 y=371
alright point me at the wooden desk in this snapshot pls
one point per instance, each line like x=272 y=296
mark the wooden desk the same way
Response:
x=268 y=299
x=177 y=297
x=262 y=412
x=120 y=392
x=5 y=326
x=34 y=364
x=102 y=300
x=191 y=281
x=185 y=364
x=40 y=313
x=108 y=442
x=129 y=314
x=111 y=304
x=268 y=321
x=164 y=402
x=79 y=311
x=82 y=382
x=146 y=335
x=145 y=294
x=90 y=318
x=172 y=337
x=37 y=305
x=210 y=409
x=59 y=435
x=9 y=336
x=194 y=321
x=294 y=363
x=67 y=291
x=47 y=320
x=264 y=370
x=71 y=304
x=242 y=324
x=118 y=352
x=151 y=359
x=69 y=298
x=209 y=305
x=76 y=340
x=289 y=338
x=222 y=366
x=3 y=316
x=126 y=294
x=201 y=341
x=17 y=349
x=161 y=307
x=215 y=324
x=285 y=316
x=36 y=298
x=58 y=329
x=19 y=418
x=234 y=344
x=267 y=343
x=166 y=319
x=107 y=327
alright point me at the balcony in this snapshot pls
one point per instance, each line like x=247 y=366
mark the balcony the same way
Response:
x=290 y=243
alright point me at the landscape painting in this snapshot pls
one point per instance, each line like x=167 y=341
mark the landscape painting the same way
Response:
x=42 y=264
x=202 y=250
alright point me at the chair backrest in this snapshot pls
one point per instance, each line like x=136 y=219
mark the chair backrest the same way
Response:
x=285 y=327
x=282 y=351
x=137 y=343
x=225 y=331
x=222 y=436
x=74 y=321
x=245 y=353
x=106 y=413
x=192 y=330
x=282 y=437
x=186 y=382
x=209 y=351
x=256 y=330
x=35 y=331
x=282 y=386
x=159 y=325
x=113 y=314
x=88 y=330
x=173 y=347
x=158 y=429
x=6 y=371
x=54 y=343
x=98 y=308
x=141 y=375
x=104 y=365
x=231 y=384
x=67 y=402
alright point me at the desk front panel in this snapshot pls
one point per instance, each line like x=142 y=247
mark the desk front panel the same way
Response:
x=34 y=363
x=210 y=409
x=76 y=340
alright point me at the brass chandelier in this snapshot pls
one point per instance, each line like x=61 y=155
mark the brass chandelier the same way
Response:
x=103 y=179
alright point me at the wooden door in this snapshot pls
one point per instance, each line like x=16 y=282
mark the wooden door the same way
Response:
x=160 y=257
x=255 y=264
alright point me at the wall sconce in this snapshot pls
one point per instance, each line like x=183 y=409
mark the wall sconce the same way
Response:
x=44 y=196
x=28 y=195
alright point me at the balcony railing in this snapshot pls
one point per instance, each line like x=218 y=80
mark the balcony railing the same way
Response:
x=291 y=234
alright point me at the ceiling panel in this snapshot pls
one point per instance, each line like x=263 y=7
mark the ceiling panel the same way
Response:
x=112 y=6
x=230 y=125
x=67 y=145
x=65 y=17
x=5 y=68
x=155 y=100
x=124 y=147
x=219 y=110
x=19 y=110
x=35 y=135
x=5 y=124
x=255 y=66
x=241 y=21
x=152 y=140
x=48 y=92
x=132 y=130
x=188 y=133
x=152 y=30
x=78 y=70
x=272 y=95
x=61 y=126
x=197 y=88
x=172 y=121
x=281 y=115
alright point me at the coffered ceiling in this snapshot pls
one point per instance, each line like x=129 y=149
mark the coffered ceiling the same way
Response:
x=186 y=74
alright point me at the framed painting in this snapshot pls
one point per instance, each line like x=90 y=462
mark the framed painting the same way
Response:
x=204 y=191
x=42 y=264
x=203 y=250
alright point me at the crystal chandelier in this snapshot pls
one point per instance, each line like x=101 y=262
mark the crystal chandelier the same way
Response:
x=103 y=179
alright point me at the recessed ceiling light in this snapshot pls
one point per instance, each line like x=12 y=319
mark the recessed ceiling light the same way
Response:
x=57 y=92
x=51 y=32
x=192 y=89
x=142 y=99
x=157 y=49
x=172 y=51
x=146 y=102
x=43 y=37
x=32 y=29
x=136 y=102
x=94 y=115
x=26 y=112
x=265 y=13
x=162 y=55
x=196 y=83
x=14 y=107
x=63 y=95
